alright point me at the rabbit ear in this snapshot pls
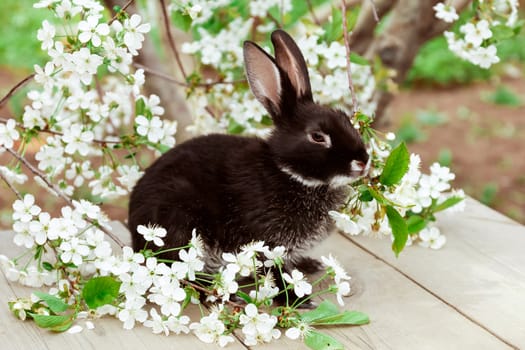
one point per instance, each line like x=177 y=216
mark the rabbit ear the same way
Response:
x=263 y=76
x=290 y=60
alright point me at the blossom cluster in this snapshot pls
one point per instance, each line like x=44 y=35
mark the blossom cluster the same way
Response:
x=87 y=98
x=232 y=107
x=476 y=39
x=150 y=290
x=416 y=195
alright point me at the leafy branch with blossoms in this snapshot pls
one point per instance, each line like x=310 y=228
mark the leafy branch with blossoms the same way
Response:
x=92 y=118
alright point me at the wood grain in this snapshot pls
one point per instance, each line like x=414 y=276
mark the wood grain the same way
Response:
x=480 y=272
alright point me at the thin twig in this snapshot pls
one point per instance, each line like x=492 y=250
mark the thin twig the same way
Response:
x=374 y=10
x=170 y=38
x=355 y=106
x=312 y=13
x=52 y=132
x=180 y=83
x=60 y=193
x=206 y=291
x=118 y=12
x=10 y=185
x=16 y=87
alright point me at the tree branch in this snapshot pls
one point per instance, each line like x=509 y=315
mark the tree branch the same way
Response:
x=60 y=193
x=52 y=132
x=171 y=41
x=182 y=84
x=121 y=10
x=16 y=87
x=355 y=105
x=10 y=185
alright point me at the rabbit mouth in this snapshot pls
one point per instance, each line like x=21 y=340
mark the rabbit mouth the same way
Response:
x=334 y=182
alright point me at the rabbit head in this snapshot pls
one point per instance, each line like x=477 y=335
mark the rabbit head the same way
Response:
x=314 y=144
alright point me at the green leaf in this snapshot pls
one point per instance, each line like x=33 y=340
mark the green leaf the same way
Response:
x=324 y=310
x=334 y=28
x=63 y=327
x=244 y=296
x=52 y=321
x=396 y=165
x=140 y=107
x=502 y=32
x=163 y=148
x=47 y=266
x=357 y=59
x=344 y=318
x=449 y=202
x=55 y=304
x=100 y=291
x=181 y=20
x=319 y=341
x=235 y=128
x=399 y=229
x=415 y=223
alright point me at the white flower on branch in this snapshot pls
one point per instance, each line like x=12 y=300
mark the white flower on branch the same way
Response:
x=23 y=236
x=343 y=290
x=77 y=140
x=156 y=323
x=344 y=223
x=73 y=251
x=152 y=233
x=8 y=133
x=445 y=13
x=484 y=56
x=476 y=33
x=258 y=327
x=40 y=227
x=129 y=175
x=210 y=330
x=92 y=30
x=267 y=289
x=133 y=312
x=11 y=175
x=24 y=210
x=192 y=261
x=431 y=237
x=46 y=35
x=85 y=64
x=298 y=332
x=65 y=9
x=335 y=268
x=151 y=128
x=134 y=32
x=300 y=286
x=178 y=324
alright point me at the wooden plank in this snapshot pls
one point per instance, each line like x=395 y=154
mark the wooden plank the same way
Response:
x=480 y=271
x=107 y=334
x=403 y=315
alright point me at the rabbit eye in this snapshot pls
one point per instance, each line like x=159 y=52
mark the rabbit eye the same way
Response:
x=320 y=138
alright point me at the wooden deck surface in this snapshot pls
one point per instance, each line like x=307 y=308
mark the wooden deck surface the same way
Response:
x=468 y=295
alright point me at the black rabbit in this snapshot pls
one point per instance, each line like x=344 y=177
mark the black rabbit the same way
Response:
x=235 y=190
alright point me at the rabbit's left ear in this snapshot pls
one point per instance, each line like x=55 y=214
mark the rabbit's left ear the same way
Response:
x=289 y=59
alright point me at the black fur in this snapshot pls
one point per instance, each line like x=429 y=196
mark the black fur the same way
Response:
x=233 y=189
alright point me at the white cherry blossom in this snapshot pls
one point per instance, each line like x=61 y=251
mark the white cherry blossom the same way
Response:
x=92 y=30
x=300 y=286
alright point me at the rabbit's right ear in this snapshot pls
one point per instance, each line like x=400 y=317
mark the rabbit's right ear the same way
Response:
x=264 y=77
